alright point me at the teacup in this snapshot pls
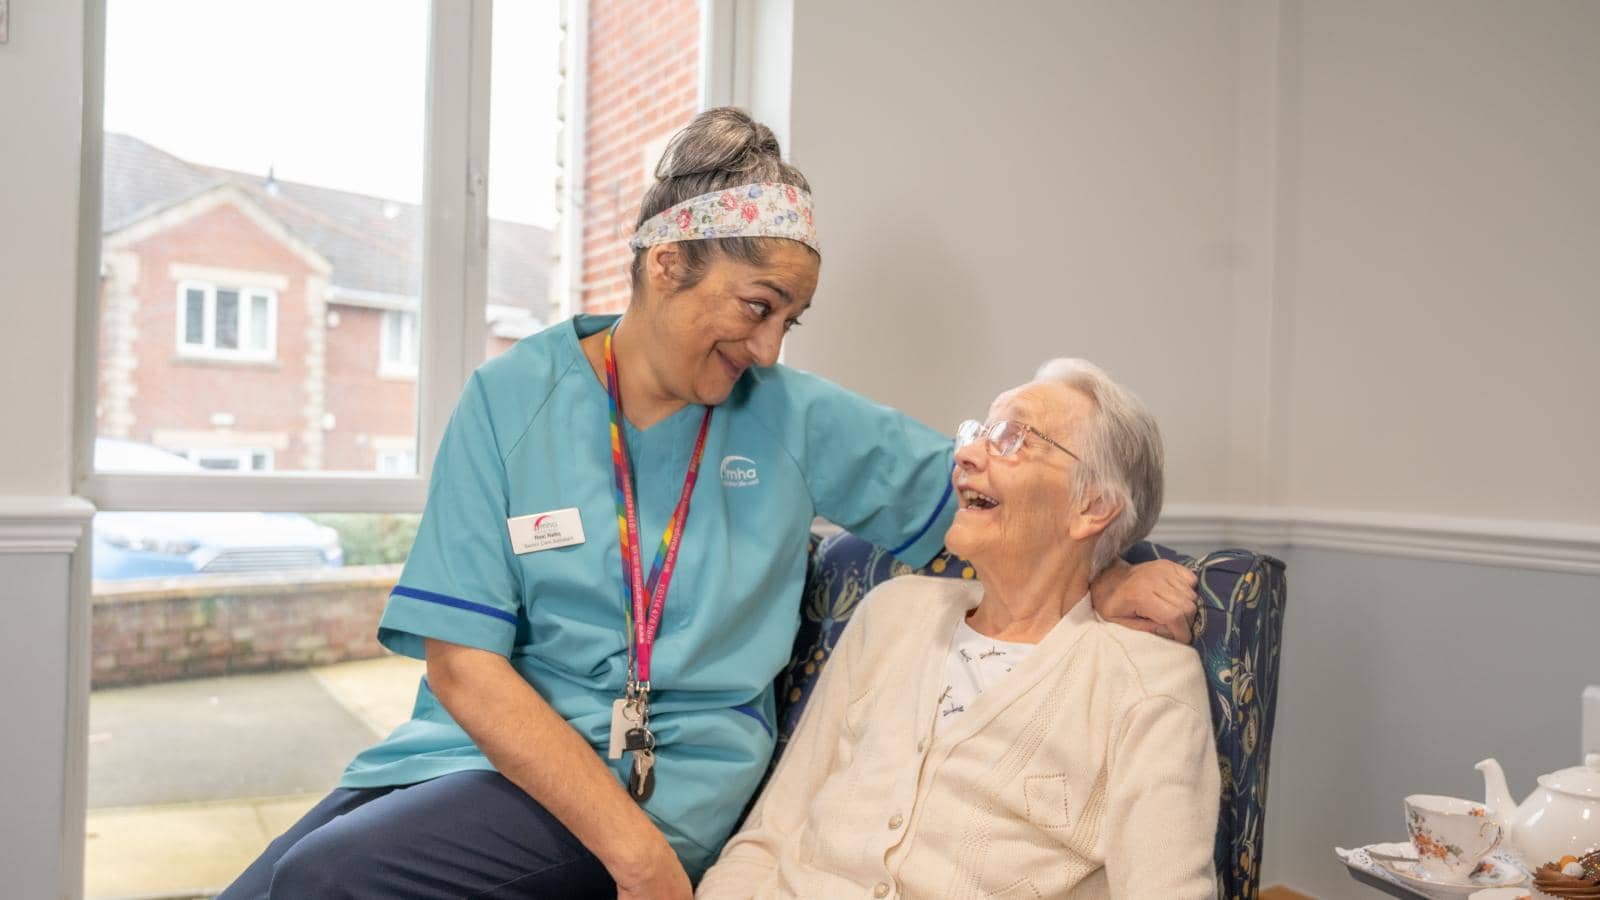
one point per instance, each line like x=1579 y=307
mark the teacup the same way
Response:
x=1451 y=835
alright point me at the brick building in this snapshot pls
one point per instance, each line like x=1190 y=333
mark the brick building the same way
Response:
x=256 y=324
x=643 y=80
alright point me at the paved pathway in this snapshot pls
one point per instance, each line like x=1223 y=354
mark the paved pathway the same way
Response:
x=189 y=780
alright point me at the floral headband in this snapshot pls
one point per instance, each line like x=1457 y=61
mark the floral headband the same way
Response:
x=751 y=210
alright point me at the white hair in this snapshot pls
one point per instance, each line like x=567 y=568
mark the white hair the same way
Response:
x=1120 y=455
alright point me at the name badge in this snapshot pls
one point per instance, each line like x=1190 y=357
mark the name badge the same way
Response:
x=545 y=531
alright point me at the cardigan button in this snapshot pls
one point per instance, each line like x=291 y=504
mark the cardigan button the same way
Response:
x=882 y=890
x=895 y=821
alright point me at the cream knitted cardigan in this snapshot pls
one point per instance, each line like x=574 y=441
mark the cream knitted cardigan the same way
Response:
x=1089 y=771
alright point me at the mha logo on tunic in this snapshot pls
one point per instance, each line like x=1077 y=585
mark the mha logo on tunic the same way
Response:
x=739 y=472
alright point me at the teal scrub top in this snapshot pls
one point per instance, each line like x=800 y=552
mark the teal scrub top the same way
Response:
x=531 y=435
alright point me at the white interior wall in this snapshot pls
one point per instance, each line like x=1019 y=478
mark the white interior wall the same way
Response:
x=1383 y=213
x=1444 y=257
x=41 y=83
x=998 y=184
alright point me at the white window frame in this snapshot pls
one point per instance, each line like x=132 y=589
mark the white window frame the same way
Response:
x=747 y=58
x=244 y=456
x=390 y=363
x=207 y=348
x=455 y=263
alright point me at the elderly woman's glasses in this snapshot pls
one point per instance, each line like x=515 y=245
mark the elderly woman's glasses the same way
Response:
x=1005 y=437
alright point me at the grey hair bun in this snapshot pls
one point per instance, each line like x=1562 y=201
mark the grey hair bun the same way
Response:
x=722 y=140
x=721 y=148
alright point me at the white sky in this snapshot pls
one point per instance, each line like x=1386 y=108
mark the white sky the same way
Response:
x=328 y=92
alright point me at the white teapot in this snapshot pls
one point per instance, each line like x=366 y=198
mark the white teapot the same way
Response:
x=1562 y=817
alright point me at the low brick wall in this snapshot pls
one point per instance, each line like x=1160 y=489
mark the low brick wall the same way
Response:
x=163 y=629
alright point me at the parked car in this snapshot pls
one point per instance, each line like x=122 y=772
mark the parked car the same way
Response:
x=164 y=544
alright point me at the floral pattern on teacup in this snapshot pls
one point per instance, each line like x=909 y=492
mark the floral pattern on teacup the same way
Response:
x=1427 y=843
x=1449 y=835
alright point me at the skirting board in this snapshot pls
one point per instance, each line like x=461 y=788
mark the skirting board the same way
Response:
x=1547 y=546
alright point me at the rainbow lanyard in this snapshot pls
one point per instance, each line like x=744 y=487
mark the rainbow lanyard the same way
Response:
x=643 y=624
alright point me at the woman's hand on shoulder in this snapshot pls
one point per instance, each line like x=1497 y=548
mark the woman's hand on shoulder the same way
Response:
x=1156 y=596
x=655 y=874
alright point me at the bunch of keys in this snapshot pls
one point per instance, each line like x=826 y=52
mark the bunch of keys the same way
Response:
x=630 y=733
x=642 y=744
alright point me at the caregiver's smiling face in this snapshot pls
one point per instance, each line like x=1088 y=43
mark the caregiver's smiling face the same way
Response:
x=734 y=317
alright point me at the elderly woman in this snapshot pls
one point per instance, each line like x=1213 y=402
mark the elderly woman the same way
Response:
x=998 y=738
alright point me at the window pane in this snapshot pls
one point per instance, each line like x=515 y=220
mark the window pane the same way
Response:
x=398 y=462
x=227 y=320
x=302 y=181
x=235 y=673
x=391 y=338
x=260 y=325
x=525 y=79
x=194 y=317
x=408 y=339
x=219 y=463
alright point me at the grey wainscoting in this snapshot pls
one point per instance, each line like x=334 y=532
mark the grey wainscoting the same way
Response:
x=33 y=739
x=1398 y=675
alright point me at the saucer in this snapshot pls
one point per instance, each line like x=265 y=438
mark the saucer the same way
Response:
x=1489 y=874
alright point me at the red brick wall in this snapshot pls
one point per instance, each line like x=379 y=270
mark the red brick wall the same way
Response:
x=643 y=83
x=364 y=405
x=173 y=392
x=217 y=625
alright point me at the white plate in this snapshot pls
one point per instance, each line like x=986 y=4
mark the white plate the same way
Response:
x=1492 y=875
x=1502 y=893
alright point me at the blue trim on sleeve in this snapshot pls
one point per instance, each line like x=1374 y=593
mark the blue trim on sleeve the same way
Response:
x=949 y=485
x=750 y=711
x=456 y=602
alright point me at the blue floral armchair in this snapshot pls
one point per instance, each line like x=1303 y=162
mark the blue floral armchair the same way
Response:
x=1239 y=638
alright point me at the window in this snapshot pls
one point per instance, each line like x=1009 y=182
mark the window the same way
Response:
x=248 y=257
x=273 y=233
x=227 y=322
x=396 y=462
x=398 y=347
x=281 y=235
x=228 y=460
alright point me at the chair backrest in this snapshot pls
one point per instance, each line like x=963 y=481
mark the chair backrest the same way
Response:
x=1239 y=637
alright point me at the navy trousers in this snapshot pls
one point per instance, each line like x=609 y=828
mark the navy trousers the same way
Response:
x=471 y=834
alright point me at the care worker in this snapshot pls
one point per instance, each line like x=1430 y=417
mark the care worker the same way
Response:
x=607 y=575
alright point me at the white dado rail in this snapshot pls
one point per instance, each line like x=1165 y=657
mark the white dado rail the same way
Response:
x=1548 y=546
x=43 y=524
x=55 y=525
